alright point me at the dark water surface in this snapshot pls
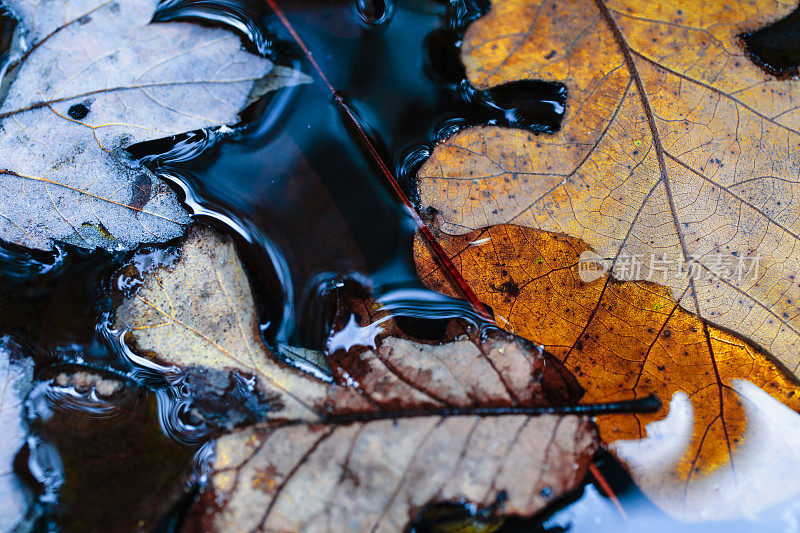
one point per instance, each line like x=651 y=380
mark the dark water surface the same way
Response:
x=299 y=182
x=297 y=187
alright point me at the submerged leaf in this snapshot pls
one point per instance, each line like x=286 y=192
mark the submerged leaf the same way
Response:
x=100 y=448
x=97 y=77
x=637 y=341
x=674 y=147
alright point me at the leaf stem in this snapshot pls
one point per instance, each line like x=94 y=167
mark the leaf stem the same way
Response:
x=648 y=404
x=601 y=480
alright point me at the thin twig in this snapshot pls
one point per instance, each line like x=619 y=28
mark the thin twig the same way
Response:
x=438 y=252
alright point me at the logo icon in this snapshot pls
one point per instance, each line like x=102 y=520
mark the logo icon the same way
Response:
x=592 y=266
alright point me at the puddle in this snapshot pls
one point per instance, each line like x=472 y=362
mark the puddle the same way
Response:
x=301 y=193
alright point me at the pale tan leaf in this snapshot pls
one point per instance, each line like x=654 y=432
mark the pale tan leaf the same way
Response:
x=377 y=476
x=200 y=312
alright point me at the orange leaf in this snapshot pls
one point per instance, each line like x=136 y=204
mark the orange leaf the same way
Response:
x=622 y=340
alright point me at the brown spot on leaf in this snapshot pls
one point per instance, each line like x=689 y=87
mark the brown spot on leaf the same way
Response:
x=140 y=191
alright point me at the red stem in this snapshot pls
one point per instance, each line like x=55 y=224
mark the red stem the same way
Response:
x=601 y=480
x=438 y=252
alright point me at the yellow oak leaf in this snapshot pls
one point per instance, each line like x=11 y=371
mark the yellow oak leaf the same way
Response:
x=674 y=146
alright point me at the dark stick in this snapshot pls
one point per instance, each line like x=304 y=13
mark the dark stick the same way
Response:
x=641 y=405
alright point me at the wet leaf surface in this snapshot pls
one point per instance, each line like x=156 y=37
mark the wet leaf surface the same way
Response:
x=95 y=78
x=397 y=413
x=401 y=409
x=676 y=163
x=199 y=311
x=376 y=476
x=637 y=341
x=674 y=144
x=395 y=364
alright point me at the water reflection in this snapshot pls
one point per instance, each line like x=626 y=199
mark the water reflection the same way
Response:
x=95 y=455
x=297 y=183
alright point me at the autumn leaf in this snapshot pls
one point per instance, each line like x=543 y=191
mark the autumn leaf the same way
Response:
x=765 y=462
x=377 y=476
x=94 y=78
x=199 y=311
x=674 y=144
x=636 y=341
x=471 y=416
x=16 y=375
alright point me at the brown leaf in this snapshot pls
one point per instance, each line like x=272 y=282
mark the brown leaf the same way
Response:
x=621 y=339
x=673 y=143
x=398 y=429
x=462 y=368
x=403 y=374
x=377 y=476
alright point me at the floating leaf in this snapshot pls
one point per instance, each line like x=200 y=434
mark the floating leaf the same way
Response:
x=636 y=341
x=674 y=146
x=199 y=311
x=377 y=476
x=95 y=78
x=456 y=415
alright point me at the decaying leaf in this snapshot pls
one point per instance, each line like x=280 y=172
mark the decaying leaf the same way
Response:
x=95 y=78
x=636 y=341
x=461 y=367
x=766 y=461
x=16 y=377
x=376 y=476
x=396 y=430
x=200 y=312
x=674 y=145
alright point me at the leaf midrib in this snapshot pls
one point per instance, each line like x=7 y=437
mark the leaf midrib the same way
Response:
x=645 y=102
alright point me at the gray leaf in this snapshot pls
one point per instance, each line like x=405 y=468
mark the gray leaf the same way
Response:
x=98 y=78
